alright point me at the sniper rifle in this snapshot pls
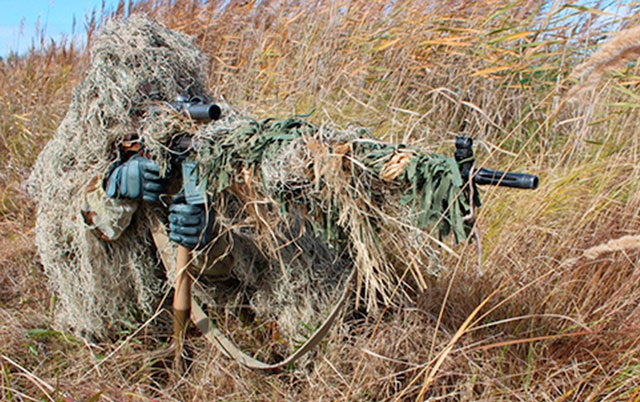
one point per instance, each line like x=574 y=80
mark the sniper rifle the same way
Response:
x=198 y=109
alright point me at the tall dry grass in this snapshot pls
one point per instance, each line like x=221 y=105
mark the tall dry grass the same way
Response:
x=556 y=314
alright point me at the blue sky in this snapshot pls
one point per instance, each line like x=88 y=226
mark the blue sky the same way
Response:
x=56 y=17
x=18 y=18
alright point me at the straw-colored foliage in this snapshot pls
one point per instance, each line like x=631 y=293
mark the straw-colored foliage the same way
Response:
x=555 y=314
x=100 y=285
x=624 y=47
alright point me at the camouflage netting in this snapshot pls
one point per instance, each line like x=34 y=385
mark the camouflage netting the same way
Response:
x=368 y=199
x=311 y=199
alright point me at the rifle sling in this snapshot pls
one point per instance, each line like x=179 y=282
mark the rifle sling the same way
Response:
x=224 y=344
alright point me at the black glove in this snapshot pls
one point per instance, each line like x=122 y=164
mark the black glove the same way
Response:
x=190 y=225
x=137 y=178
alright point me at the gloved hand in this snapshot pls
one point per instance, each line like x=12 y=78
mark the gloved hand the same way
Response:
x=137 y=178
x=190 y=225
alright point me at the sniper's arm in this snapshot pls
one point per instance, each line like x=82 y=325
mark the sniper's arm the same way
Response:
x=111 y=203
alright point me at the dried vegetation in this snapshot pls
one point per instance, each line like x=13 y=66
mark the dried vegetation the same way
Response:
x=556 y=314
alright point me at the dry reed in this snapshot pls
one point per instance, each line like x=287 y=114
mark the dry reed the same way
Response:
x=412 y=71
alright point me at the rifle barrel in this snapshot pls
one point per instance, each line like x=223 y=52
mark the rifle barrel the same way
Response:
x=485 y=176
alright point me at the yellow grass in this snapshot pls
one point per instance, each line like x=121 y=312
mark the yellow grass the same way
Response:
x=555 y=315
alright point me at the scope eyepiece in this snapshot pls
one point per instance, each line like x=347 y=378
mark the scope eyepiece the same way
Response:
x=203 y=111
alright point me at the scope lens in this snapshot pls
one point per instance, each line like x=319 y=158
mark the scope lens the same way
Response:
x=214 y=112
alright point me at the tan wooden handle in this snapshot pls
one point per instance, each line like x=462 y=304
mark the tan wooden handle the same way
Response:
x=181 y=304
x=182 y=295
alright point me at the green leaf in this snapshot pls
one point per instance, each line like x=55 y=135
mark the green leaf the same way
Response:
x=96 y=397
x=42 y=333
x=624 y=105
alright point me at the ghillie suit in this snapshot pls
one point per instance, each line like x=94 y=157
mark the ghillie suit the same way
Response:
x=291 y=187
x=101 y=286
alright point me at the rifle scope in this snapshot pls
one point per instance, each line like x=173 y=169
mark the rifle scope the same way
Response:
x=195 y=108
